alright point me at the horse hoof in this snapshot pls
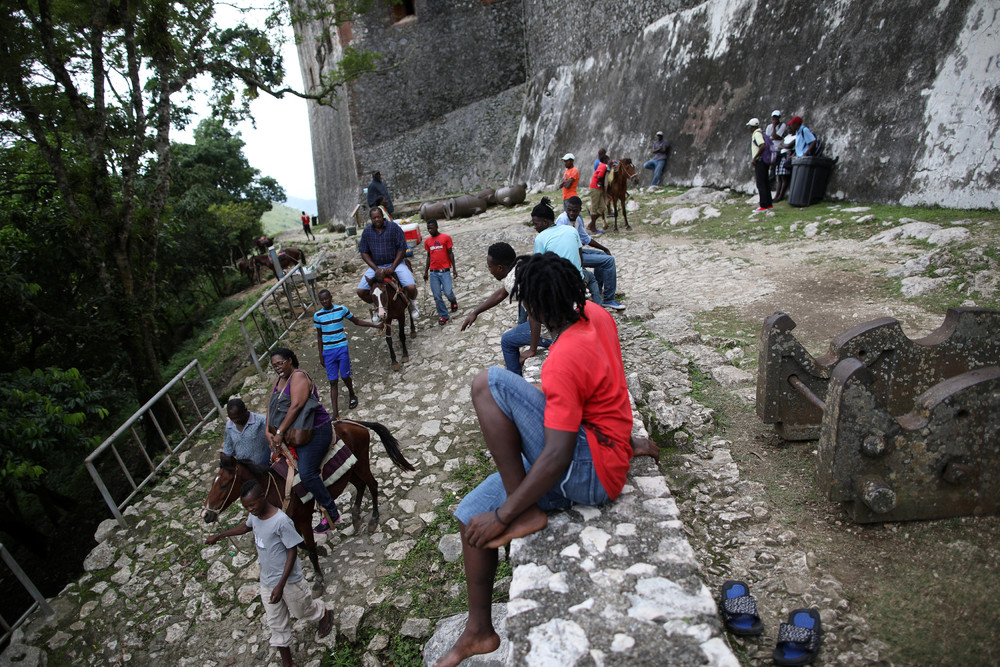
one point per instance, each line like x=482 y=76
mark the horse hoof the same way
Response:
x=321 y=550
x=373 y=525
x=406 y=359
x=395 y=366
x=318 y=587
x=628 y=228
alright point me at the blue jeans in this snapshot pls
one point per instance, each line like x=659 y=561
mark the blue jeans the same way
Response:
x=310 y=457
x=402 y=272
x=441 y=282
x=605 y=271
x=524 y=405
x=512 y=342
x=657 y=167
x=593 y=287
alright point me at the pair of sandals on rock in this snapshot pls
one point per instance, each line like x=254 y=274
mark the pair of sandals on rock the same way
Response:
x=798 y=639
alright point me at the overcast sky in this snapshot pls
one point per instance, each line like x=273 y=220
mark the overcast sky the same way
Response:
x=279 y=146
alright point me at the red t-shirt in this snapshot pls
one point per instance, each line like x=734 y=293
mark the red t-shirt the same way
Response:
x=437 y=247
x=583 y=379
x=305 y=220
x=572 y=174
x=599 y=173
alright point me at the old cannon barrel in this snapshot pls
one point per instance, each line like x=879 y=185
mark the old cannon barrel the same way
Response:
x=512 y=195
x=433 y=210
x=489 y=195
x=466 y=205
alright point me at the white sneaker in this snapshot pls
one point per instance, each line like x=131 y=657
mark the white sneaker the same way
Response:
x=414 y=311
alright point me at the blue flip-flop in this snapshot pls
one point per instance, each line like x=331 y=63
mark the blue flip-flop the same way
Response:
x=798 y=640
x=739 y=609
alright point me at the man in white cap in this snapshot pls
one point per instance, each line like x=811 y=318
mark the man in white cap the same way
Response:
x=570 y=179
x=661 y=147
x=775 y=130
x=757 y=146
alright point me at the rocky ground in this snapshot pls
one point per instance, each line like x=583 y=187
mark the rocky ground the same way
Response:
x=155 y=594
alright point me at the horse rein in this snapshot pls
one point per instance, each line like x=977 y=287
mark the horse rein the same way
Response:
x=232 y=487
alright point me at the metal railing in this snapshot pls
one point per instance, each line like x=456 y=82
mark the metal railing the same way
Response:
x=29 y=586
x=275 y=313
x=130 y=427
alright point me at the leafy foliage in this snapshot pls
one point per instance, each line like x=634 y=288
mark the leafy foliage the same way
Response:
x=44 y=415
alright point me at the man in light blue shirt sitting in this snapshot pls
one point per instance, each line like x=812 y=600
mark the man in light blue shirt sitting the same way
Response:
x=245 y=435
x=594 y=256
x=563 y=241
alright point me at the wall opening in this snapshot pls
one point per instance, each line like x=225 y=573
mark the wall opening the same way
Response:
x=404 y=11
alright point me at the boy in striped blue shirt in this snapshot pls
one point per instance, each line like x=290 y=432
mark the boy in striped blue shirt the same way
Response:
x=332 y=342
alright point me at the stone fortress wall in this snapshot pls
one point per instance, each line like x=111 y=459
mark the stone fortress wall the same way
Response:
x=481 y=93
x=442 y=114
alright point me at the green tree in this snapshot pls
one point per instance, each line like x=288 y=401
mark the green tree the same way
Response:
x=216 y=201
x=47 y=419
x=214 y=171
x=89 y=93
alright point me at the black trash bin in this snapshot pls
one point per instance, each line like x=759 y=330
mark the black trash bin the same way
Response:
x=809 y=177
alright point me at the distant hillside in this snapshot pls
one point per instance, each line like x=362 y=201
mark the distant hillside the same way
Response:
x=307 y=205
x=280 y=218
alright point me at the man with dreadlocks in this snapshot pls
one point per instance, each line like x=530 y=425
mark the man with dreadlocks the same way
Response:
x=568 y=443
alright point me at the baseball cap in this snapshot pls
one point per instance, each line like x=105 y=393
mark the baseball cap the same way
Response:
x=659 y=134
x=753 y=122
x=776 y=112
x=568 y=156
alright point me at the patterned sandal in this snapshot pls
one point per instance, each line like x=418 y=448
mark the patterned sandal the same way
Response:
x=798 y=640
x=739 y=609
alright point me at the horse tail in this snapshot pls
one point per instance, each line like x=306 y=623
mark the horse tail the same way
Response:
x=303 y=253
x=390 y=443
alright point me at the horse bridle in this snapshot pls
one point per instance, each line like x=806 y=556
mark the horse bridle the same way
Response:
x=225 y=501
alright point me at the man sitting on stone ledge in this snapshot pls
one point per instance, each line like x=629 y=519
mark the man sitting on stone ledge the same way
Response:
x=568 y=443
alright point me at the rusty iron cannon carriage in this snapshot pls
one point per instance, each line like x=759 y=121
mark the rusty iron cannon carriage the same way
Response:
x=907 y=428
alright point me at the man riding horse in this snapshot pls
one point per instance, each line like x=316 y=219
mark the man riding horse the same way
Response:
x=383 y=248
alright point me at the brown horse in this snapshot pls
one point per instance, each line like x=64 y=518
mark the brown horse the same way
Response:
x=234 y=472
x=624 y=173
x=391 y=303
x=249 y=269
x=287 y=258
x=263 y=243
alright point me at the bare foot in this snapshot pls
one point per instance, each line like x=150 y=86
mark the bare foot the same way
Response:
x=469 y=645
x=645 y=447
x=530 y=521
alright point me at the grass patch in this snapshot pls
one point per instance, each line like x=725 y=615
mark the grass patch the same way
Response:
x=218 y=341
x=736 y=223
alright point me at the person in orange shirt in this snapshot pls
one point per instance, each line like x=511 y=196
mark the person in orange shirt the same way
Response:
x=571 y=178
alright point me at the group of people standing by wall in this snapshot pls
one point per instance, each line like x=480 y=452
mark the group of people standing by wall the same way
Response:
x=771 y=150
